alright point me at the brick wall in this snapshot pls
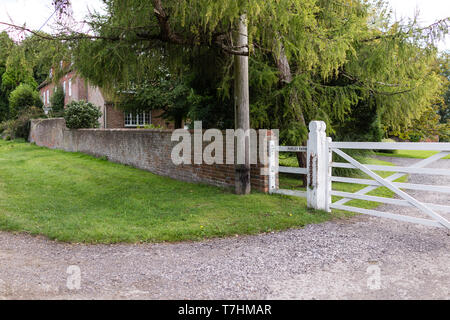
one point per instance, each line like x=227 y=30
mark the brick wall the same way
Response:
x=114 y=117
x=158 y=120
x=141 y=148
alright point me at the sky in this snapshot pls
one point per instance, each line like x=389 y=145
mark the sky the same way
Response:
x=35 y=12
x=429 y=12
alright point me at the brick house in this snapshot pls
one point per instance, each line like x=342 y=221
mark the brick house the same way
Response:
x=77 y=88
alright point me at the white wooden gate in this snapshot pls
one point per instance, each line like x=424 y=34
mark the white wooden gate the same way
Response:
x=274 y=169
x=318 y=193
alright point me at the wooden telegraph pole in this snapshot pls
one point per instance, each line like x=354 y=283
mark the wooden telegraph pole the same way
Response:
x=242 y=109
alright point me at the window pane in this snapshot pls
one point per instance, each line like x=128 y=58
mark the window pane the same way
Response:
x=127 y=119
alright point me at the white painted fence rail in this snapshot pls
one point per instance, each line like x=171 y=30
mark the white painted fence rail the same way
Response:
x=428 y=146
x=319 y=164
x=431 y=171
x=274 y=169
x=401 y=185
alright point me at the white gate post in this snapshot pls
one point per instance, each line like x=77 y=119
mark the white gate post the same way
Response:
x=273 y=165
x=318 y=191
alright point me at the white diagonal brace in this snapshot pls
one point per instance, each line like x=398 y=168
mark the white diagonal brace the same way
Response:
x=420 y=164
x=389 y=185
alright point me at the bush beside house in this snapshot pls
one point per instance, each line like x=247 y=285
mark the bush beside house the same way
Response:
x=57 y=101
x=23 y=97
x=20 y=126
x=81 y=114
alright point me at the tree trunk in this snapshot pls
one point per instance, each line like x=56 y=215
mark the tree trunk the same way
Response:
x=301 y=159
x=242 y=110
x=285 y=77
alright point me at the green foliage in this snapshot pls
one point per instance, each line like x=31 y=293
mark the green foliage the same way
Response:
x=165 y=93
x=5 y=128
x=57 y=100
x=151 y=126
x=18 y=71
x=444 y=110
x=444 y=106
x=348 y=64
x=22 y=97
x=4 y=108
x=428 y=126
x=362 y=123
x=81 y=114
x=6 y=45
x=27 y=62
x=42 y=55
x=20 y=127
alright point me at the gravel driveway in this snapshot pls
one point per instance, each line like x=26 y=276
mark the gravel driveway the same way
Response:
x=334 y=260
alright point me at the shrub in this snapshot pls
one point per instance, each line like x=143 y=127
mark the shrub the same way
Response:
x=24 y=96
x=4 y=108
x=20 y=127
x=5 y=128
x=151 y=126
x=81 y=114
x=57 y=100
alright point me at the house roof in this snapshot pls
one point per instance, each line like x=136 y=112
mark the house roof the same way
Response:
x=47 y=81
x=43 y=84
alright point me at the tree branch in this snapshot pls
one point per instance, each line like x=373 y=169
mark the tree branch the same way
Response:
x=166 y=35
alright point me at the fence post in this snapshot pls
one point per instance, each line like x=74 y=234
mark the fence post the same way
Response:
x=318 y=160
x=273 y=165
x=329 y=153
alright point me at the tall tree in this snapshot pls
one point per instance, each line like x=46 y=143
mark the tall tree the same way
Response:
x=444 y=106
x=18 y=70
x=6 y=45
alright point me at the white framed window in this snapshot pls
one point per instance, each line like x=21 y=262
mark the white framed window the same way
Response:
x=48 y=96
x=43 y=97
x=64 y=87
x=70 y=87
x=137 y=119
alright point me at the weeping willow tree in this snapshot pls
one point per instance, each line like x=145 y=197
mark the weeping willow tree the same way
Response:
x=331 y=60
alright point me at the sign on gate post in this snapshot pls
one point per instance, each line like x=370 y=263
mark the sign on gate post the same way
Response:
x=318 y=190
x=273 y=165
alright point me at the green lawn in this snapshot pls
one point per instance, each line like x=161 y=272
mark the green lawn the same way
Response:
x=77 y=198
